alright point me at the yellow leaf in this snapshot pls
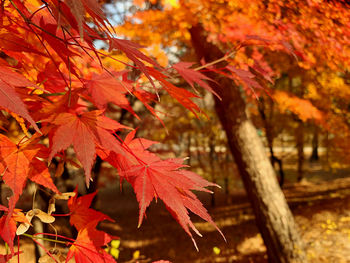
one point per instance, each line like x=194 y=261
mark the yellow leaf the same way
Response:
x=216 y=250
x=136 y=254
x=115 y=243
x=114 y=252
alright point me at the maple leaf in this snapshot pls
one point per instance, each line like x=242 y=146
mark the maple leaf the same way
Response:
x=152 y=177
x=18 y=163
x=8 y=230
x=163 y=179
x=192 y=76
x=81 y=214
x=39 y=173
x=131 y=51
x=95 y=11
x=146 y=97
x=135 y=150
x=48 y=33
x=17 y=214
x=84 y=131
x=106 y=87
x=12 y=42
x=87 y=246
x=8 y=224
x=78 y=10
x=51 y=78
x=181 y=95
x=8 y=96
x=245 y=77
x=48 y=110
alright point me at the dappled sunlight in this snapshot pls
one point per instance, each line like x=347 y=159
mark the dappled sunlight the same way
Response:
x=135 y=244
x=252 y=245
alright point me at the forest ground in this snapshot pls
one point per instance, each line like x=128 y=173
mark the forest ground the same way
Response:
x=320 y=204
x=321 y=210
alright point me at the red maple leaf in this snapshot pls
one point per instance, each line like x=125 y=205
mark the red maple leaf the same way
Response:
x=163 y=179
x=245 y=77
x=106 y=87
x=75 y=11
x=181 y=95
x=48 y=33
x=95 y=11
x=8 y=225
x=39 y=173
x=130 y=49
x=13 y=43
x=82 y=215
x=192 y=76
x=146 y=97
x=85 y=132
x=8 y=230
x=9 y=99
x=152 y=177
x=87 y=246
x=52 y=79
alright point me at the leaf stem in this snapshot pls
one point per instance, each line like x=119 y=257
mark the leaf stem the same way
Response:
x=46 y=251
x=47 y=239
x=6 y=248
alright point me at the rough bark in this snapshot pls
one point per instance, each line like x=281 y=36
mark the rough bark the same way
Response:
x=273 y=217
x=270 y=136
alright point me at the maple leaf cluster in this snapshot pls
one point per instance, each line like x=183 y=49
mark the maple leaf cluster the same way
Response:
x=53 y=82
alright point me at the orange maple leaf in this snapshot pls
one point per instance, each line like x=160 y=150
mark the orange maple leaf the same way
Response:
x=20 y=163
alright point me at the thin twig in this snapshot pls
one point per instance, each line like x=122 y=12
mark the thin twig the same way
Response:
x=216 y=61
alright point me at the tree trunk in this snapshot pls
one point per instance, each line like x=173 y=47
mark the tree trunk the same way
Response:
x=226 y=177
x=299 y=137
x=270 y=136
x=272 y=213
x=212 y=168
x=314 y=154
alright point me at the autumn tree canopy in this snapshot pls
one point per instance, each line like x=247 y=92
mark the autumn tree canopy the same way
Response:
x=302 y=46
x=57 y=85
